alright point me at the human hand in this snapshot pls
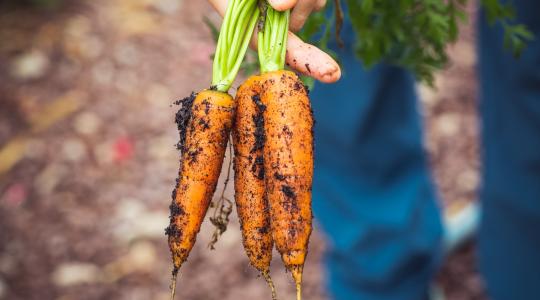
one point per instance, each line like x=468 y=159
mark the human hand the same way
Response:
x=301 y=56
x=301 y=9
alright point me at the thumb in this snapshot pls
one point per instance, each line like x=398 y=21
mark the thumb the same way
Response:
x=282 y=5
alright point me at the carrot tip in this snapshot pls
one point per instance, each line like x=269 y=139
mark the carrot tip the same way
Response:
x=268 y=279
x=173 y=285
x=297 y=276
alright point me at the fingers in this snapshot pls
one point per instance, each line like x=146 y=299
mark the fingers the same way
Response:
x=311 y=61
x=282 y=5
x=300 y=13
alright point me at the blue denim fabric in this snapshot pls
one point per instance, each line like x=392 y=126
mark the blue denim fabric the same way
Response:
x=509 y=240
x=373 y=195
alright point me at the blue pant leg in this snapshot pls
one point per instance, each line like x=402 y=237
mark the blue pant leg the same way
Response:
x=372 y=190
x=509 y=242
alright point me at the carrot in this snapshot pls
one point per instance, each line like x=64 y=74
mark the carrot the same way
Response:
x=288 y=147
x=205 y=121
x=251 y=202
x=288 y=163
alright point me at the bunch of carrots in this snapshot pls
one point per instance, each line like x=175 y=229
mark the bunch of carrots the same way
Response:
x=271 y=124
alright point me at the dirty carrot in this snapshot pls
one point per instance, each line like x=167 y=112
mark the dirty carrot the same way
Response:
x=288 y=147
x=251 y=202
x=288 y=162
x=204 y=121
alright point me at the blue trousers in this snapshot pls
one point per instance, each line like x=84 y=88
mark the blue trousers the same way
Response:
x=373 y=194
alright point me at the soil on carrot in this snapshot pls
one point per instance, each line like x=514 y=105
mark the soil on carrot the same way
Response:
x=279 y=177
x=182 y=118
x=258 y=119
x=86 y=121
x=258 y=164
x=288 y=191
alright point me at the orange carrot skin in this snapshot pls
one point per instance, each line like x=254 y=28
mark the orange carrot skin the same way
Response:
x=251 y=202
x=204 y=132
x=288 y=162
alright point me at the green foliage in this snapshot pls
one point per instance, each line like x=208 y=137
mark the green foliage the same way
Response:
x=411 y=33
x=515 y=35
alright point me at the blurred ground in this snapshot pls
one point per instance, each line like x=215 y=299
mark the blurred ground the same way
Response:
x=87 y=157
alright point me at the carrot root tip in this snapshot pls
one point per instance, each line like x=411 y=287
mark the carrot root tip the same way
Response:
x=173 y=283
x=270 y=283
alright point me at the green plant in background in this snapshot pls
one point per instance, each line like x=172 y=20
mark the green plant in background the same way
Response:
x=409 y=33
x=515 y=35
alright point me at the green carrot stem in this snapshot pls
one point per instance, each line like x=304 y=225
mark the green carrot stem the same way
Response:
x=232 y=26
x=238 y=25
x=241 y=30
x=273 y=40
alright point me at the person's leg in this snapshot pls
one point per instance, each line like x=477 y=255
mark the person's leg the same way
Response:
x=509 y=241
x=373 y=194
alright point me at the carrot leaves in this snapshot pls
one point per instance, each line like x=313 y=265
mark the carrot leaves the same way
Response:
x=238 y=25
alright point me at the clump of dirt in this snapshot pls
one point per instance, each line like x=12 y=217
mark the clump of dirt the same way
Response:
x=258 y=167
x=183 y=116
x=258 y=119
x=260 y=138
x=182 y=119
x=279 y=177
x=288 y=191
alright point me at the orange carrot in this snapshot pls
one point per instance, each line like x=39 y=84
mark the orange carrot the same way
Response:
x=288 y=163
x=251 y=203
x=204 y=122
